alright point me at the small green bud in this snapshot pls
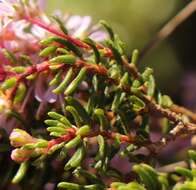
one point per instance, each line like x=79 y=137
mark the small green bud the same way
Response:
x=166 y=101
x=74 y=142
x=10 y=56
x=60 y=118
x=19 y=69
x=9 y=83
x=146 y=74
x=20 y=93
x=47 y=51
x=84 y=130
x=184 y=172
x=135 y=56
x=108 y=28
x=70 y=186
x=65 y=82
x=20 y=173
x=75 y=83
x=67 y=59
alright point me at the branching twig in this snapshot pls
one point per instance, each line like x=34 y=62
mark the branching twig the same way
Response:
x=169 y=28
x=171 y=167
x=154 y=108
x=185 y=111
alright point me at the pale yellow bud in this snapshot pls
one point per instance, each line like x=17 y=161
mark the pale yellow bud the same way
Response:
x=21 y=155
x=19 y=137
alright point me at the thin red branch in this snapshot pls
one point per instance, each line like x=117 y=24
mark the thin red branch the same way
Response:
x=30 y=70
x=71 y=133
x=52 y=30
x=101 y=70
x=77 y=42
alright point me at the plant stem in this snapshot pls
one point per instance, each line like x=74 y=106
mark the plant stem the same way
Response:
x=171 y=167
x=56 y=32
x=169 y=28
x=182 y=110
x=77 y=42
x=185 y=128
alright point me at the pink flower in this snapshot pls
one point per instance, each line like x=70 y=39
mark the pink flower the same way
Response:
x=16 y=9
x=15 y=31
x=42 y=91
x=81 y=27
x=6 y=7
x=78 y=25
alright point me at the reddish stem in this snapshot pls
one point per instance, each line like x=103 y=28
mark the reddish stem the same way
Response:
x=122 y=138
x=65 y=138
x=57 y=33
x=71 y=133
x=77 y=42
x=30 y=70
x=92 y=67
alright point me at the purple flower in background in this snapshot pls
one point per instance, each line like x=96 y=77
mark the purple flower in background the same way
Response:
x=15 y=32
x=14 y=8
x=81 y=27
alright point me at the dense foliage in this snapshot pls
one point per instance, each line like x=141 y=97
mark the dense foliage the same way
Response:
x=74 y=110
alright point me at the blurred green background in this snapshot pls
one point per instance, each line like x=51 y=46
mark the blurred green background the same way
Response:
x=136 y=21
